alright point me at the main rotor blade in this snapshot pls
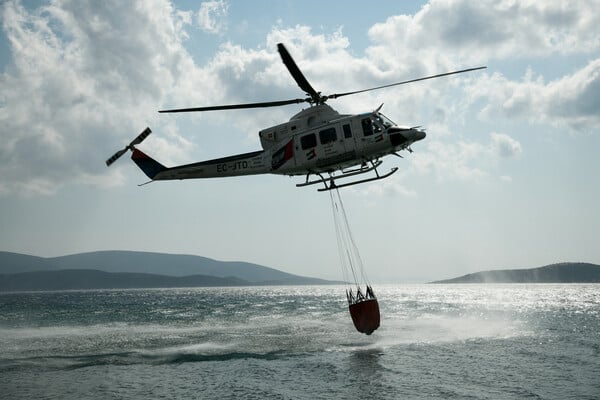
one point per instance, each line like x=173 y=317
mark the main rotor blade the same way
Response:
x=296 y=73
x=335 y=96
x=238 y=106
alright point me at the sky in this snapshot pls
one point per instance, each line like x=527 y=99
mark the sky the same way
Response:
x=507 y=176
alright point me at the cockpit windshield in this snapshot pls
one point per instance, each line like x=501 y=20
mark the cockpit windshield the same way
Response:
x=385 y=121
x=376 y=123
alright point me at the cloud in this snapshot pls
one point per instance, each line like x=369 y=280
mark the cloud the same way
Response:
x=239 y=74
x=475 y=32
x=575 y=99
x=85 y=78
x=571 y=101
x=389 y=187
x=504 y=146
x=212 y=16
x=463 y=160
x=451 y=161
x=447 y=34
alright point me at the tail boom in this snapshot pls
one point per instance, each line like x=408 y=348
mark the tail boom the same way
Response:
x=241 y=164
x=253 y=163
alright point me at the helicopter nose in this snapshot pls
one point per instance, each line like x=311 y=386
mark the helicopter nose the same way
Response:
x=415 y=135
x=405 y=136
x=419 y=135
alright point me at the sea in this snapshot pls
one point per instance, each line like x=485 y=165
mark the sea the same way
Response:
x=513 y=341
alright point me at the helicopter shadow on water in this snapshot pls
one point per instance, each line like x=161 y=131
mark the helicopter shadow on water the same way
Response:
x=366 y=370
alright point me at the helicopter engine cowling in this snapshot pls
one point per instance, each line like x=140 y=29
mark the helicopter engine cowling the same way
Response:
x=268 y=137
x=273 y=135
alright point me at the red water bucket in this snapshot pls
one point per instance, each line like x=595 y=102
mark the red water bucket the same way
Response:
x=365 y=315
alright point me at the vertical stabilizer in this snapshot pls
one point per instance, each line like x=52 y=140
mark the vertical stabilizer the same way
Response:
x=147 y=164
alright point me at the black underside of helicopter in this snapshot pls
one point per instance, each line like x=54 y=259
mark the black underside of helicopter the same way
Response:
x=397 y=139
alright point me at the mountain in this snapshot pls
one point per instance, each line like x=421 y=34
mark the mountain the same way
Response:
x=69 y=279
x=554 y=273
x=167 y=265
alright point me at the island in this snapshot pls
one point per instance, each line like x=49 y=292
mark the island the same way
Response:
x=567 y=272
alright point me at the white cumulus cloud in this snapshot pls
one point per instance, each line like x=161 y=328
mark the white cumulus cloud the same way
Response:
x=85 y=78
x=572 y=100
x=463 y=160
x=504 y=146
x=446 y=31
x=212 y=16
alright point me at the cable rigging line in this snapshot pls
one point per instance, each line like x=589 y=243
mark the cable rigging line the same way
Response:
x=353 y=243
x=350 y=260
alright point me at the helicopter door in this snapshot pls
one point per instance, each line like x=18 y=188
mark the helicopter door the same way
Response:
x=371 y=133
x=349 y=139
x=306 y=150
x=332 y=147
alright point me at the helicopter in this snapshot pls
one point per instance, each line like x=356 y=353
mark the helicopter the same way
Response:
x=317 y=142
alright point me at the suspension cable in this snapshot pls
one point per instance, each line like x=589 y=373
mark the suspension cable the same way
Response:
x=350 y=260
x=353 y=243
x=338 y=237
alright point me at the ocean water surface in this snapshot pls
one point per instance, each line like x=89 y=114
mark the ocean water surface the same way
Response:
x=435 y=341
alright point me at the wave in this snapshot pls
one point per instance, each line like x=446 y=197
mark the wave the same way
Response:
x=71 y=362
x=164 y=356
x=261 y=338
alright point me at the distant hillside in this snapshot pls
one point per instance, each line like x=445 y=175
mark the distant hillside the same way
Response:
x=168 y=265
x=92 y=279
x=555 y=273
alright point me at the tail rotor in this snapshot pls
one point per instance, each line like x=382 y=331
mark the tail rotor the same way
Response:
x=139 y=139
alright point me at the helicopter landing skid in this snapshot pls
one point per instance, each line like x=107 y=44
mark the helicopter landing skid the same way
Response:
x=333 y=185
x=332 y=179
x=358 y=171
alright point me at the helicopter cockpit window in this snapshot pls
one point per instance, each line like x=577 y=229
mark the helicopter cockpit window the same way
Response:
x=371 y=125
x=308 y=141
x=327 y=135
x=385 y=120
x=377 y=126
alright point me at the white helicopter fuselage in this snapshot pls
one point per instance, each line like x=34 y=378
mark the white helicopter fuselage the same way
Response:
x=316 y=140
